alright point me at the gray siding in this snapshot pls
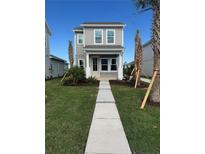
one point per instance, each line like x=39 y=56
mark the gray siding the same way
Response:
x=89 y=35
x=57 y=68
x=47 y=53
x=147 y=64
x=80 y=54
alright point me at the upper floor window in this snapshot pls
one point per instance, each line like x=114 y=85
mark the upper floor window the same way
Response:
x=98 y=36
x=79 y=39
x=110 y=36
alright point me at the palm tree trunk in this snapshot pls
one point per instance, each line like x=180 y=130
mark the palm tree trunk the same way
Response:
x=155 y=96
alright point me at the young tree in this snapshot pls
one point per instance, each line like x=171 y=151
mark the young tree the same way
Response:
x=70 y=53
x=154 y=5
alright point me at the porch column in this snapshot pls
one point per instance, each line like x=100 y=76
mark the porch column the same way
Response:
x=120 y=67
x=87 y=66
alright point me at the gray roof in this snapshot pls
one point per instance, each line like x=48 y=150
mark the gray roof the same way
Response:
x=103 y=47
x=105 y=23
x=47 y=27
x=130 y=63
x=145 y=44
x=78 y=28
x=57 y=58
x=98 y=24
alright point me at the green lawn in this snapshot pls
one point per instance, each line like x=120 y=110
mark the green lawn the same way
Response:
x=142 y=127
x=69 y=112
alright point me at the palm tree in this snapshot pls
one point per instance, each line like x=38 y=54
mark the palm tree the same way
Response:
x=70 y=53
x=153 y=5
x=138 y=55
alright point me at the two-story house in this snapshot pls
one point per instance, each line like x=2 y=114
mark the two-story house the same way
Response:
x=99 y=49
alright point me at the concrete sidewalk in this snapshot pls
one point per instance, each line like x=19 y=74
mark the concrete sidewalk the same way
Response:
x=106 y=135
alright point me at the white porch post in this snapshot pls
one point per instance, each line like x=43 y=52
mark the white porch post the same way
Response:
x=87 y=66
x=120 y=67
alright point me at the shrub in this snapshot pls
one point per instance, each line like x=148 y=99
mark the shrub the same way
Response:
x=127 y=72
x=75 y=76
x=92 y=80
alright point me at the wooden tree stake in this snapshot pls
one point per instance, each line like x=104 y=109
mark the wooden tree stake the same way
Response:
x=137 y=77
x=133 y=71
x=148 y=90
x=64 y=76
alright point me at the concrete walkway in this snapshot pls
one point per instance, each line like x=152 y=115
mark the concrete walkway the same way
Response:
x=106 y=134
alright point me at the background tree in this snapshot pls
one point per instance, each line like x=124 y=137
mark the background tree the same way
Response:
x=70 y=53
x=154 y=5
x=138 y=55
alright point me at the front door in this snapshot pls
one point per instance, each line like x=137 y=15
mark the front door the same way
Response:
x=95 y=67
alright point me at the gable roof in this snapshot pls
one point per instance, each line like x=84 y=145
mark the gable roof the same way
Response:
x=104 y=23
x=147 y=43
x=78 y=29
x=98 y=24
x=144 y=45
x=57 y=58
x=48 y=29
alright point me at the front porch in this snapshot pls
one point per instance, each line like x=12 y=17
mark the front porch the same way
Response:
x=104 y=66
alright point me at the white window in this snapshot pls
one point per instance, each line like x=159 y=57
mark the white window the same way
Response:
x=113 y=65
x=110 y=36
x=104 y=64
x=98 y=36
x=79 y=39
x=81 y=63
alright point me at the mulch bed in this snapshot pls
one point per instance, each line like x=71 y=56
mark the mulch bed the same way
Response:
x=83 y=83
x=120 y=82
x=128 y=83
x=151 y=103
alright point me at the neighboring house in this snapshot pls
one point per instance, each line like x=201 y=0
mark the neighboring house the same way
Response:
x=99 y=49
x=57 y=66
x=147 y=62
x=47 y=51
x=54 y=66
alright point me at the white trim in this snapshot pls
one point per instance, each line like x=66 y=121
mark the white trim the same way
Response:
x=75 y=40
x=78 y=38
x=102 y=36
x=104 y=49
x=107 y=36
x=122 y=37
x=75 y=50
x=83 y=37
x=109 y=62
x=77 y=30
x=101 y=65
x=113 y=64
x=104 y=53
x=120 y=67
x=103 y=25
